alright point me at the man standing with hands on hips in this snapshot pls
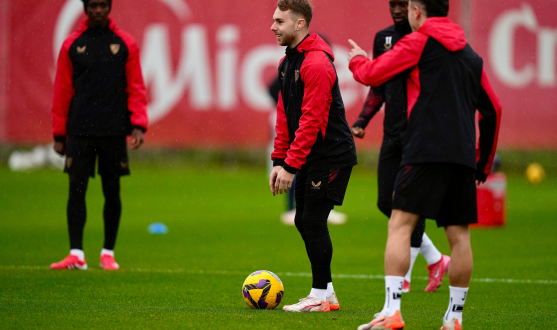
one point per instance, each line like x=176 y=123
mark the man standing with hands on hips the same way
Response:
x=313 y=142
x=99 y=99
x=446 y=84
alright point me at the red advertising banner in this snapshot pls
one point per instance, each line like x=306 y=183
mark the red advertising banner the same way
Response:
x=206 y=65
x=518 y=42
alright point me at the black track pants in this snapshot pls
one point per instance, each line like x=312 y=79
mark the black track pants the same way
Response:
x=77 y=214
x=311 y=222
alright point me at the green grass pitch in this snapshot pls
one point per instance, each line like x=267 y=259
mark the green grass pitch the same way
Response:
x=223 y=225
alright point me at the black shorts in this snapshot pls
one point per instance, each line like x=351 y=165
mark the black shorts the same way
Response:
x=325 y=184
x=82 y=152
x=445 y=192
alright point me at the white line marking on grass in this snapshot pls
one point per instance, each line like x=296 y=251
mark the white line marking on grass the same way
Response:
x=225 y=272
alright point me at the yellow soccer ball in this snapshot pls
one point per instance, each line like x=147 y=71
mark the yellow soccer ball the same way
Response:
x=535 y=173
x=262 y=290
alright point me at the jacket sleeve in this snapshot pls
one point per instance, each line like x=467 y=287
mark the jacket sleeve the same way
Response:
x=374 y=100
x=63 y=93
x=318 y=76
x=137 y=100
x=282 y=140
x=405 y=54
x=489 y=107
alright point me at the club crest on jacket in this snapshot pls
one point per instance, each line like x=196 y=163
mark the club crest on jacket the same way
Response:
x=81 y=50
x=114 y=48
x=296 y=75
x=316 y=185
x=388 y=43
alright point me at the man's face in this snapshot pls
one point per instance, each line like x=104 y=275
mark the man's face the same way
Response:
x=97 y=11
x=399 y=11
x=284 y=27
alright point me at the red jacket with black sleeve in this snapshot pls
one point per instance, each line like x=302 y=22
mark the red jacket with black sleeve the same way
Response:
x=98 y=89
x=445 y=87
x=311 y=122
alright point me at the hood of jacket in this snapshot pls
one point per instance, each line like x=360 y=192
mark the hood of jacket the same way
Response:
x=442 y=29
x=314 y=42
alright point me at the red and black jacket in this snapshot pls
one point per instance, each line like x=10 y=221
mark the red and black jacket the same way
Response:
x=98 y=90
x=392 y=93
x=445 y=86
x=311 y=122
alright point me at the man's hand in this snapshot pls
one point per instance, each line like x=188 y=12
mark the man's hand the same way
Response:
x=273 y=178
x=358 y=132
x=356 y=51
x=280 y=180
x=137 y=138
x=283 y=182
x=60 y=148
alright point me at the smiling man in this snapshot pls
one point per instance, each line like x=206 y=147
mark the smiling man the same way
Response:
x=99 y=99
x=313 y=142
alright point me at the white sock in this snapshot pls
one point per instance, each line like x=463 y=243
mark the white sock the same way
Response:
x=330 y=289
x=109 y=252
x=319 y=294
x=413 y=255
x=393 y=294
x=429 y=251
x=456 y=304
x=78 y=253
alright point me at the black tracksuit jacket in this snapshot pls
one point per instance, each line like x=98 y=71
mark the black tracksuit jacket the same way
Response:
x=445 y=87
x=311 y=122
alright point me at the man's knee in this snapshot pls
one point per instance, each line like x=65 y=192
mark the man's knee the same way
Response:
x=402 y=223
x=458 y=235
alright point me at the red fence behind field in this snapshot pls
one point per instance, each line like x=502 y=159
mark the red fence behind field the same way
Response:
x=207 y=64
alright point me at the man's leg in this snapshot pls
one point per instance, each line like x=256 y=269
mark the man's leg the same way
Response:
x=415 y=243
x=438 y=264
x=311 y=222
x=112 y=209
x=397 y=261
x=397 y=253
x=80 y=164
x=76 y=211
x=397 y=258
x=460 y=271
x=113 y=162
x=320 y=252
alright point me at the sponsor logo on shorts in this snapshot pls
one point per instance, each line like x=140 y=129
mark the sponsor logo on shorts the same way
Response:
x=316 y=185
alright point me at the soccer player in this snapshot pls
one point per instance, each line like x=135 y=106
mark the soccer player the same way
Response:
x=99 y=98
x=441 y=165
x=313 y=142
x=393 y=94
